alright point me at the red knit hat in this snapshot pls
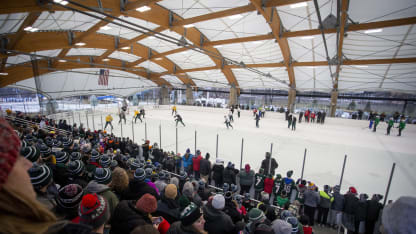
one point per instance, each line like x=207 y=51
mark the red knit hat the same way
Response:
x=147 y=203
x=353 y=190
x=9 y=150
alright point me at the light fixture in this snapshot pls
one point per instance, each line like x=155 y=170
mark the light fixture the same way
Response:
x=158 y=59
x=217 y=46
x=297 y=5
x=3 y=73
x=151 y=37
x=373 y=31
x=80 y=44
x=106 y=59
x=307 y=37
x=105 y=27
x=189 y=26
x=57 y=1
x=62 y=2
x=257 y=42
x=233 y=17
x=360 y=66
x=62 y=61
x=31 y=29
x=143 y=9
x=125 y=47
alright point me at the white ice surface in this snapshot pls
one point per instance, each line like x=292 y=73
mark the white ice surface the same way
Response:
x=369 y=161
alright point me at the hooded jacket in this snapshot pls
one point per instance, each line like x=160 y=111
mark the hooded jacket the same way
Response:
x=311 y=198
x=137 y=189
x=218 y=171
x=196 y=162
x=229 y=175
x=105 y=191
x=205 y=167
x=246 y=179
x=216 y=221
x=168 y=209
x=126 y=217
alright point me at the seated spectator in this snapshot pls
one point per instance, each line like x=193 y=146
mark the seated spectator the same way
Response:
x=94 y=212
x=68 y=200
x=191 y=221
x=138 y=187
x=167 y=206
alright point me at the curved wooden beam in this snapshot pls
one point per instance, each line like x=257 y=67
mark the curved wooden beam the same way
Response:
x=24 y=71
x=344 y=17
x=272 y=18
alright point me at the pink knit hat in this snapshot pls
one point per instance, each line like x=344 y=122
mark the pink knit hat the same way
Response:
x=9 y=150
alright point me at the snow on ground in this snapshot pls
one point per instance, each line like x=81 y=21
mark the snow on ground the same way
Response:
x=369 y=155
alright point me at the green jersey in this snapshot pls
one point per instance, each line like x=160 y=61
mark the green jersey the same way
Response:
x=277 y=186
x=259 y=182
x=402 y=125
x=390 y=123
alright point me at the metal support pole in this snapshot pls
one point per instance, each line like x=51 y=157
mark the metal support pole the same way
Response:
x=303 y=165
x=270 y=159
x=342 y=173
x=79 y=116
x=132 y=129
x=102 y=125
x=93 y=121
x=176 y=140
x=388 y=185
x=145 y=131
x=241 y=158
x=216 y=151
x=195 y=142
x=86 y=116
x=160 y=136
x=121 y=128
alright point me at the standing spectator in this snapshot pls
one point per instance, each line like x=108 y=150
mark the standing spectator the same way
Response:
x=325 y=203
x=218 y=171
x=268 y=184
x=257 y=118
x=196 y=164
x=361 y=213
x=216 y=220
x=373 y=211
x=94 y=211
x=229 y=174
x=265 y=164
x=289 y=121
x=300 y=116
x=323 y=117
x=168 y=206
x=246 y=179
x=205 y=169
x=336 y=207
x=311 y=202
x=350 y=206
x=191 y=221
x=259 y=183
x=238 y=111
x=313 y=115
x=307 y=118
x=187 y=161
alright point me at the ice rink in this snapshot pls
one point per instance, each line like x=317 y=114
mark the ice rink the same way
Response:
x=369 y=155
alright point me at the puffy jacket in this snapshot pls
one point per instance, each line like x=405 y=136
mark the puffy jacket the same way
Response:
x=351 y=203
x=229 y=176
x=137 y=189
x=103 y=190
x=216 y=221
x=187 y=161
x=218 y=173
x=196 y=162
x=265 y=165
x=205 y=167
x=246 y=179
x=108 y=118
x=338 y=203
x=311 y=198
x=373 y=210
x=326 y=199
x=268 y=185
x=126 y=217
x=361 y=211
x=168 y=209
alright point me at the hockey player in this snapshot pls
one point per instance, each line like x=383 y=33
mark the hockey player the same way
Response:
x=294 y=123
x=390 y=124
x=174 y=110
x=227 y=122
x=376 y=122
x=137 y=116
x=178 y=119
x=257 y=118
x=402 y=125
x=108 y=120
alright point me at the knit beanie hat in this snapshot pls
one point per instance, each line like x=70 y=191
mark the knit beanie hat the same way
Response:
x=75 y=156
x=183 y=202
x=30 y=153
x=135 y=164
x=255 y=214
x=294 y=222
x=40 y=175
x=57 y=143
x=183 y=175
x=9 y=151
x=45 y=150
x=171 y=191
x=147 y=204
x=139 y=174
x=352 y=190
x=113 y=164
x=102 y=175
x=289 y=173
x=188 y=189
x=69 y=196
x=218 y=202
x=336 y=189
x=48 y=141
x=148 y=172
x=75 y=148
x=175 y=181
x=228 y=195
x=398 y=217
x=105 y=161
x=30 y=138
x=93 y=210
x=75 y=167
x=61 y=157
x=95 y=156
x=190 y=214
x=67 y=141
x=23 y=144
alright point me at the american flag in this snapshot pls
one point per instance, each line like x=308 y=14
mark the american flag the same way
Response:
x=103 y=78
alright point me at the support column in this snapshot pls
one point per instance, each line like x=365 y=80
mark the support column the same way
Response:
x=291 y=98
x=233 y=96
x=334 y=100
x=164 y=96
x=189 y=95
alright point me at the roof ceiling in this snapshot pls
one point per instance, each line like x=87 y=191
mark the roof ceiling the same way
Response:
x=280 y=41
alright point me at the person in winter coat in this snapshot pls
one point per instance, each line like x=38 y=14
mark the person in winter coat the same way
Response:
x=191 y=221
x=105 y=191
x=157 y=154
x=246 y=179
x=205 y=169
x=282 y=199
x=187 y=161
x=129 y=214
x=300 y=116
x=216 y=221
x=361 y=212
x=265 y=164
x=259 y=183
x=168 y=206
x=68 y=200
x=336 y=207
x=374 y=208
x=312 y=200
x=138 y=187
x=325 y=203
x=218 y=171
x=229 y=174
x=257 y=118
x=350 y=206
x=268 y=184
x=196 y=164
